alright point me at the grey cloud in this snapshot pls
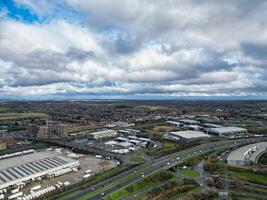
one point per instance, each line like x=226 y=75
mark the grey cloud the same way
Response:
x=258 y=51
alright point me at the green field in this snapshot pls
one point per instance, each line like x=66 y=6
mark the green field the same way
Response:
x=189 y=172
x=137 y=159
x=18 y=116
x=250 y=176
x=143 y=184
x=91 y=194
x=4 y=109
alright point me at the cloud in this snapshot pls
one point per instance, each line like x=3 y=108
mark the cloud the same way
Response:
x=135 y=47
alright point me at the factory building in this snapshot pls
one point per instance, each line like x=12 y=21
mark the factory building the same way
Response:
x=248 y=154
x=24 y=168
x=187 y=122
x=102 y=134
x=124 y=145
x=227 y=131
x=129 y=131
x=195 y=127
x=187 y=135
x=135 y=142
x=174 y=123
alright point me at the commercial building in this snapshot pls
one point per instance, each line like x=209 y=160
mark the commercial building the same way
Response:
x=195 y=127
x=248 y=154
x=32 y=129
x=52 y=128
x=187 y=135
x=24 y=168
x=2 y=146
x=102 y=134
x=124 y=145
x=174 y=123
x=227 y=131
x=129 y=131
x=61 y=129
x=42 y=131
x=186 y=122
x=135 y=142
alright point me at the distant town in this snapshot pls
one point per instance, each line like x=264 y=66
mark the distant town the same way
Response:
x=133 y=149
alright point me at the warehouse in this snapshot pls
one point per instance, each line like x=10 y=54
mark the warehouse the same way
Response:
x=189 y=122
x=227 y=131
x=187 y=135
x=248 y=154
x=129 y=131
x=174 y=123
x=24 y=168
x=124 y=145
x=102 y=134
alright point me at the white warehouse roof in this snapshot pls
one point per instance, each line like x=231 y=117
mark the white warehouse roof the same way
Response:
x=189 y=121
x=22 y=168
x=225 y=130
x=190 y=134
x=101 y=132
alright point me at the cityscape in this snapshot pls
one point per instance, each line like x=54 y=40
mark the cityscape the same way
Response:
x=133 y=100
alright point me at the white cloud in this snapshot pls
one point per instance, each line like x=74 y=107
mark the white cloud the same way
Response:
x=136 y=47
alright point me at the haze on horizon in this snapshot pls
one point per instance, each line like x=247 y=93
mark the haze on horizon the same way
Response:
x=133 y=49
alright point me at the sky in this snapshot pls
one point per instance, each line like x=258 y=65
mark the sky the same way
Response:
x=144 y=49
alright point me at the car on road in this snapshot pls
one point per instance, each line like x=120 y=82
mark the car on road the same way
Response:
x=102 y=194
x=142 y=176
x=168 y=163
x=177 y=158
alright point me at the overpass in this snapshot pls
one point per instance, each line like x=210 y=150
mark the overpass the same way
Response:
x=75 y=146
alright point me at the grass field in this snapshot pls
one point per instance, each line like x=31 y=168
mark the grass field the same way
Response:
x=91 y=194
x=17 y=116
x=4 y=109
x=143 y=184
x=137 y=159
x=189 y=172
x=250 y=176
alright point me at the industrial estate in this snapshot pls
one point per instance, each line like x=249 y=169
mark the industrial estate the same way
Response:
x=133 y=150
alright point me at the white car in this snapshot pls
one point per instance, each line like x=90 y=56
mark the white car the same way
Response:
x=177 y=158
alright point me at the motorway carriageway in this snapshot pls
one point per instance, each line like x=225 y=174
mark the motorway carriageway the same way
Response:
x=166 y=162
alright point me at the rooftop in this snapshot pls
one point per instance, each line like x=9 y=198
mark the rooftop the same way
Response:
x=191 y=121
x=190 y=134
x=240 y=154
x=228 y=129
x=102 y=132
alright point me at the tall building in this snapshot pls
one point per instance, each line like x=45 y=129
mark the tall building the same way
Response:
x=52 y=127
x=42 y=131
x=32 y=129
x=61 y=129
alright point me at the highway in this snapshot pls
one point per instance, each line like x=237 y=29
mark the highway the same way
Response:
x=166 y=162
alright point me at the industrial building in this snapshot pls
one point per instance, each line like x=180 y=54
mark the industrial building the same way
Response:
x=174 y=123
x=195 y=127
x=129 y=131
x=249 y=154
x=124 y=145
x=227 y=131
x=102 y=134
x=18 y=169
x=186 y=122
x=187 y=135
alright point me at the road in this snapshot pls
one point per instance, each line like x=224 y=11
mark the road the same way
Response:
x=105 y=187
